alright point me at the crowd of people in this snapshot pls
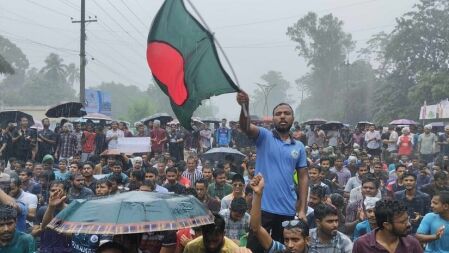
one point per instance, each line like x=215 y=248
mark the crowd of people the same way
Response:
x=299 y=189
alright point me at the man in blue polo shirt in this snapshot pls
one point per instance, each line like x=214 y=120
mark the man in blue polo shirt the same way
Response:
x=278 y=157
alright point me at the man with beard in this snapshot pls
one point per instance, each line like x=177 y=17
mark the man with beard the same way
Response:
x=316 y=197
x=439 y=184
x=431 y=231
x=418 y=202
x=326 y=238
x=201 y=193
x=213 y=239
x=278 y=157
x=392 y=232
x=78 y=190
x=12 y=240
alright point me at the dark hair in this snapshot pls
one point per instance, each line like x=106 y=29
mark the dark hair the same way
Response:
x=190 y=191
x=138 y=174
x=89 y=163
x=302 y=226
x=444 y=197
x=399 y=165
x=322 y=210
x=281 y=104
x=48 y=175
x=16 y=181
x=150 y=184
x=370 y=178
x=409 y=174
x=337 y=200
x=318 y=190
x=118 y=163
x=172 y=169
x=115 y=178
x=75 y=175
x=251 y=164
x=202 y=181
x=218 y=172
x=439 y=175
x=238 y=178
x=111 y=245
x=28 y=172
x=316 y=167
x=152 y=171
x=65 y=185
x=7 y=212
x=218 y=227
x=104 y=181
x=385 y=211
x=325 y=159
x=248 y=189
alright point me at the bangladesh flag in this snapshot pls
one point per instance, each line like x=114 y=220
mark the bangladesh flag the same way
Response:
x=183 y=60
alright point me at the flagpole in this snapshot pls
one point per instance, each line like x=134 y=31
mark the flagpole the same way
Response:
x=245 y=110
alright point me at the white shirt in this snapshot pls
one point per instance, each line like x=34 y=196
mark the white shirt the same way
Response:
x=356 y=194
x=113 y=142
x=29 y=199
x=393 y=139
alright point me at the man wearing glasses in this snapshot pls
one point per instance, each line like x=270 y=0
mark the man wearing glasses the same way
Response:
x=238 y=185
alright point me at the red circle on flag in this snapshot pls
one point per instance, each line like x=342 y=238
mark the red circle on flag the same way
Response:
x=167 y=66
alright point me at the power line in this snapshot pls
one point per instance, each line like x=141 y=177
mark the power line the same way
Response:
x=134 y=14
x=125 y=18
x=121 y=27
x=294 y=16
x=48 y=8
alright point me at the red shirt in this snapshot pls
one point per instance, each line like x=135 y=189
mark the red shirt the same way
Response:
x=89 y=142
x=405 y=145
x=158 y=135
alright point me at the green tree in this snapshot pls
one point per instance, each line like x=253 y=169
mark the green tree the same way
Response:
x=324 y=45
x=413 y=57
x=12 y=83
x=72 y=73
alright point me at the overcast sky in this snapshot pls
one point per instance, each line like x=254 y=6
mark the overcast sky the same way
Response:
x=252 y=32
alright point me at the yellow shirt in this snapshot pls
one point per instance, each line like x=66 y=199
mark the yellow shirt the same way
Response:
x=197 y=246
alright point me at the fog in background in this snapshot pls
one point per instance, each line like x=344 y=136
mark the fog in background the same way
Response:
x=252 y=32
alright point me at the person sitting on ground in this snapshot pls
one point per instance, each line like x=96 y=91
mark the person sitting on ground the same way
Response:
x=238 y=186
x=296 y=232
x=172 y=184
x=103 y=187
x=219 y=188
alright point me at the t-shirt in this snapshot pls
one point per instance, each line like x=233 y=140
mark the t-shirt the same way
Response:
x=277 y=161
x=427 y=143
x=361 y=228
x=62 y=176
x=276 y=247
x=429 y=226
x=21 y=243
x=197 y=245
x=114 y=142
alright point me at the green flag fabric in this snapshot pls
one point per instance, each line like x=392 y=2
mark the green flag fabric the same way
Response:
x=183 y=60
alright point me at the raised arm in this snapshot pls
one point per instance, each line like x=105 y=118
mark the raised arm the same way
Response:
x=245 y=121
x=262 y=235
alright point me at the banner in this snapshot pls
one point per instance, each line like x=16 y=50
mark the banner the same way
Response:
x=131 y=145
x=438 y=111
x=98 y=101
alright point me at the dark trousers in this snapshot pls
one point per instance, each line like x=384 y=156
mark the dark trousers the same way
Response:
x=273 y=224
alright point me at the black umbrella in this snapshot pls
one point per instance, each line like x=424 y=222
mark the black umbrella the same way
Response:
x=219 y=154
x=210 y=120
x=14 y=117
x=164 y=118
x=66 y=110
x=362 y=124
x=331 y=124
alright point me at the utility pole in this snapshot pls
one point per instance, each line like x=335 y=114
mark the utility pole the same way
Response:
x=83 y=22
x=266 y=90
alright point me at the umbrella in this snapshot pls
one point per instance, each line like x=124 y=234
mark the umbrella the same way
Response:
x=97 y=116
x=130 y=213
x=316 y=121
x=331 y=124
x=362 y=124
x=164 y=118
x=403 y=122
x=196 y=120
x=211 y=120
x=219 y=154
x=14 y=117
x=66 y=110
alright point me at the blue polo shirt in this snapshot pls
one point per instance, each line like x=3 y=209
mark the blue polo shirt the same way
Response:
x=277 y=161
